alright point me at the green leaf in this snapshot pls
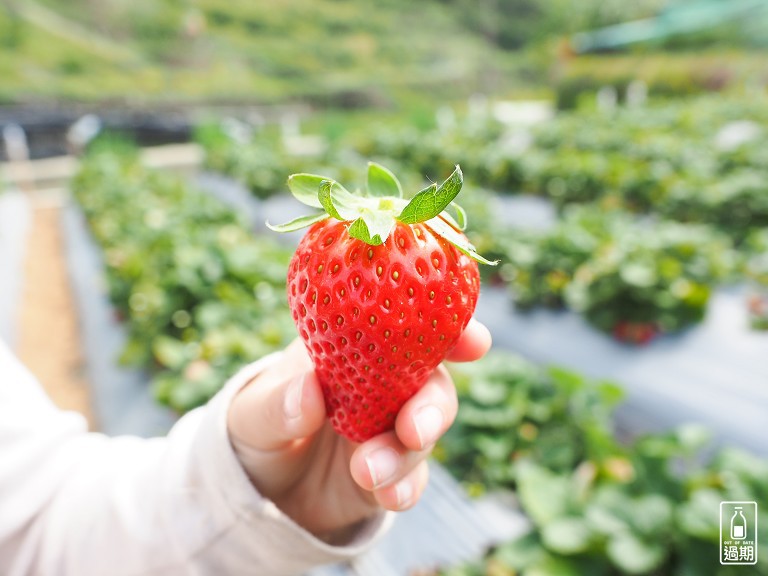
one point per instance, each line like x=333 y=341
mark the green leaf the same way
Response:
x=488 y=392
x=568 y=535
x=134 y=353
x=304 y=188
x=698 y=516
x=639 y=274
x=432 y=200
x=461 y=216
x=634 y=555
x=325 y=198
x=604 y=520
x=448 y=219
x=693 y=437
x=359 y=230
x=611 y=394
x=445 y=230
x=569 y=381
x=521 y=552
x=170 y=352
x=407 y=214
x=379 y=224
x=652 y=515
x=297 y=223
x=554 y=566
x=339 y=202
x=543 y=495
x=381 y=182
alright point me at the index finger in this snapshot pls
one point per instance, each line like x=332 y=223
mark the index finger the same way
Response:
x=473 y=343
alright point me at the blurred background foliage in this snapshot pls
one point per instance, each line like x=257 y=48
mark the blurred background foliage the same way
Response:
x=350 y=53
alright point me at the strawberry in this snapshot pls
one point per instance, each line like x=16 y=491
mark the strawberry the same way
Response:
x=639 y=333
x=380 y=289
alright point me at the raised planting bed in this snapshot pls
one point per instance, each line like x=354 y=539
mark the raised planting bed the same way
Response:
x=713 y=374
x=200 y=295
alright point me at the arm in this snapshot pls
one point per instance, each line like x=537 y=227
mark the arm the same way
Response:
x=80 y=503
x=256 y=481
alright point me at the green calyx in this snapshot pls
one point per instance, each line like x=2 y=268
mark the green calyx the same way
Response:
x=373 y=213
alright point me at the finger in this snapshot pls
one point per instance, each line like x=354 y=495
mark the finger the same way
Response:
x=383 y=461
x=429 y=413
x=406 y=492
x=274 y=410
x=474 y=342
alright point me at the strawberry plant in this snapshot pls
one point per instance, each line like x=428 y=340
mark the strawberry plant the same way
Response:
x=597 y=504
x=757 y=273
x=477 y=144
x=199 y=294
x=252 y=159
x=650 y=277
x=736 y=203
x=380 y=289
x=631 y=278
x=539 y=266
x=512 y=410
x=752 y=154
x=569 y=177
x=653 y=510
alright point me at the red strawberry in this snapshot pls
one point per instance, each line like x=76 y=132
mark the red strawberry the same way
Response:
x=635 y=332
x=380 y=289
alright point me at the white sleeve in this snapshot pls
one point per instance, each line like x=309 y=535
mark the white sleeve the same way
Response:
x=79 y=503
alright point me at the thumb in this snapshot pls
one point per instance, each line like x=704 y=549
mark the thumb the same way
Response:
x=275 y=409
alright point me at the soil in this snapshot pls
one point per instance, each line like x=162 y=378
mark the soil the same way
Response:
x=48 y=334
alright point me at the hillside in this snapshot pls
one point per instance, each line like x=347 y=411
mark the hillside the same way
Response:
x=336 y=51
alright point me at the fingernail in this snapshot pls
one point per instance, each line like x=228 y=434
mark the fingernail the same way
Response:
x=382 y=465
x=292 y=401
x=404 y=492
x=428 y=422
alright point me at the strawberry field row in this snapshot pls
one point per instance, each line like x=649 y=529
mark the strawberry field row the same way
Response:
x=597 y=505
x=697 y=160
x=700 y=160
x=629 y=277
x=199 y=294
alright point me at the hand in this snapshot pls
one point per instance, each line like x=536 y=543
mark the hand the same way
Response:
x=324 y=482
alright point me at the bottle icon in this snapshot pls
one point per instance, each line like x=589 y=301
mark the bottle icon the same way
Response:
x=738 y=524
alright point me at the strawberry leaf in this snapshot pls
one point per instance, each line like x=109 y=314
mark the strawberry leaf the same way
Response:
x=460 y=222
x=359 y=230
x=324 y=195
x=442 y=228
x=381 y=182
x=379 y=224
x=409 y=214
x=432 y=200
x=297 y=223
x=374 y=215
x=304 y=188
x=461 y=216
x=338 y=201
